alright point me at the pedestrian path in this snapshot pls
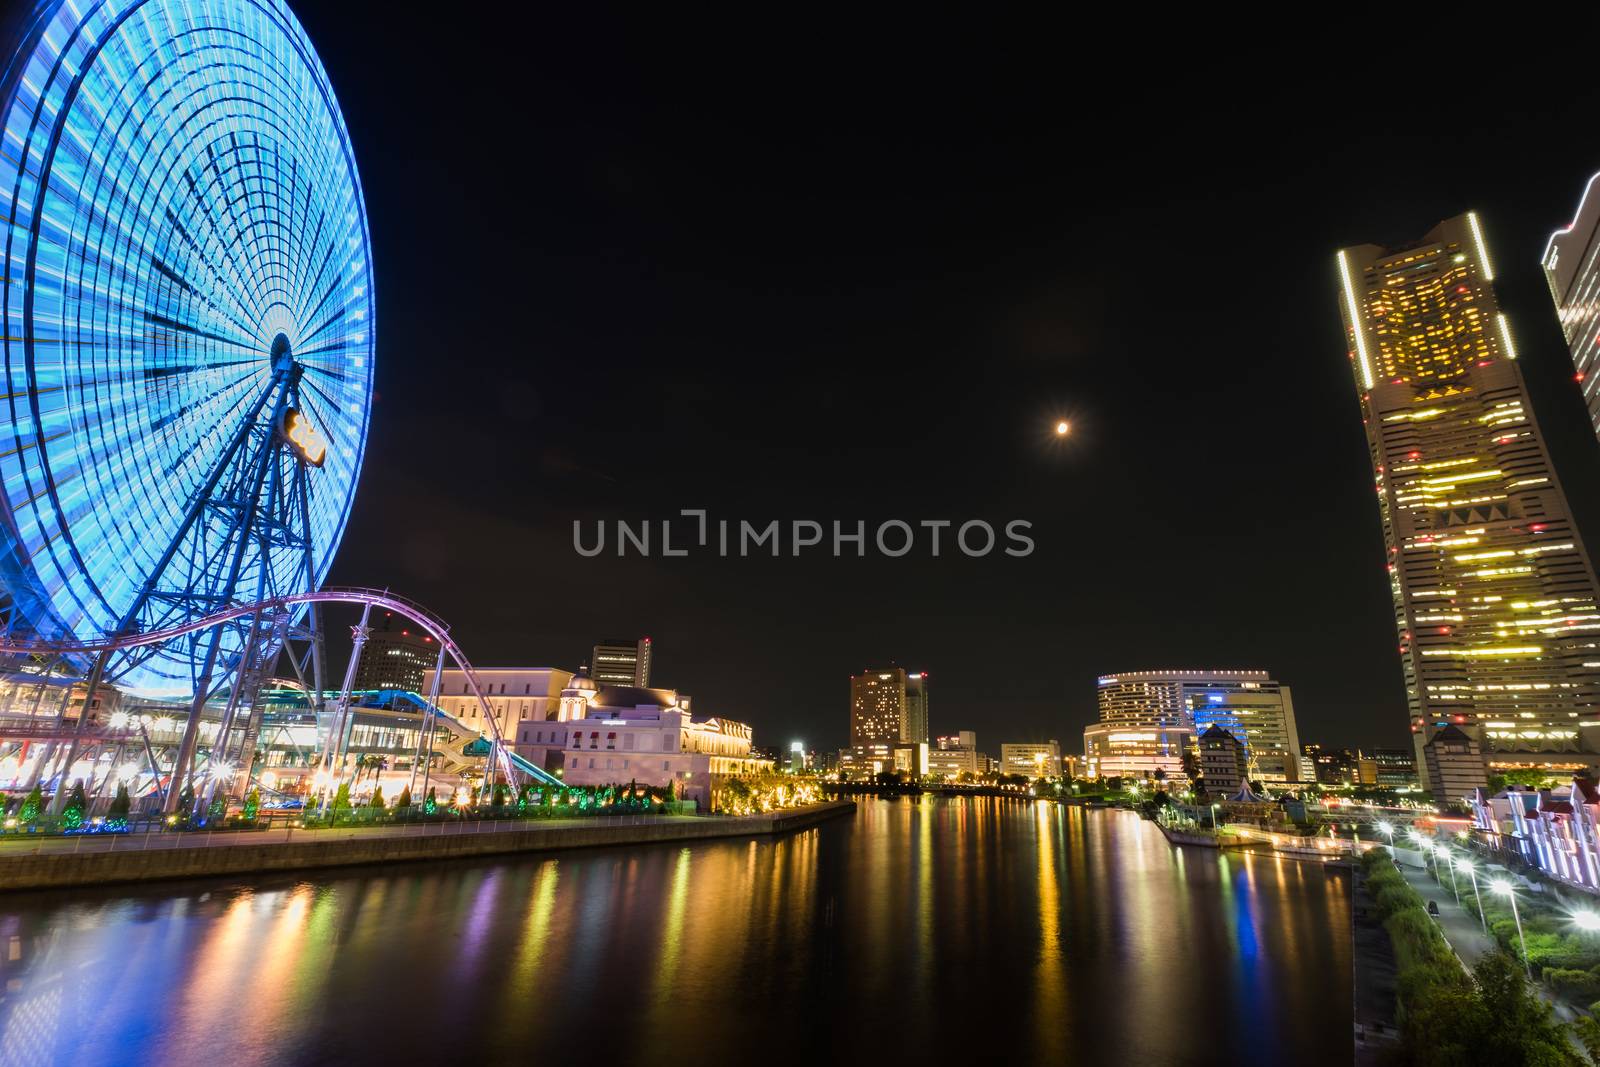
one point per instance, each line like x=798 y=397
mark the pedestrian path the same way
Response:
x=1465 y=932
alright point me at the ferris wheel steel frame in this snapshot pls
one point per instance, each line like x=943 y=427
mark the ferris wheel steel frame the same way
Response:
x=188 y=304
x=281 y=607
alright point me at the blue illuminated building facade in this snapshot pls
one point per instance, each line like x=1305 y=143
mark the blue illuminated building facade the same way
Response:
x=1141 y=709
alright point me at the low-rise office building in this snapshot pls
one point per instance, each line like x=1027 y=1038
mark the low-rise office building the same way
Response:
x=1455 y=765
x=956 y=754
x=1032 y=759
x=1115 y=751
x=1223 y=762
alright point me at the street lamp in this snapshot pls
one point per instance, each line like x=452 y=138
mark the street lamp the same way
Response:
x=1214 y=826
x=1472 y=872
x=1450 y=858
x=1587 y=921
x=1387 y=830
x=1505 y=889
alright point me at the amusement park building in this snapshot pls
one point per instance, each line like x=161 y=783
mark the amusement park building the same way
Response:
x=1557 y=831
x=621 y=733
x=514 y=694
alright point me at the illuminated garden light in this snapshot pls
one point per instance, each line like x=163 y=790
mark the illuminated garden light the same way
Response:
x=1505 y=889
x=1063 y=428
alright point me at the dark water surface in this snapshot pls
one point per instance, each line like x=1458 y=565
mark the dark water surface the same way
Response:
x=920 y=929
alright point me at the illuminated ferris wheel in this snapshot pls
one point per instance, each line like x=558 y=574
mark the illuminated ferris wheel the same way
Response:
x=188 y=339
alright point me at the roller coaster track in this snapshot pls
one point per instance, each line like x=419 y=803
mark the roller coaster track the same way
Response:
x=434 y=626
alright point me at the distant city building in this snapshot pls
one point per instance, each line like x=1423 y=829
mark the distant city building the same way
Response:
x=1396 y=768
x=1455 y=765
x=394 y=656
x=1111 y=751
x=620 y=662
x=877 y=719
x=800 y=760
x=953 y=755
x=1041 y=759
x=1333 y=766
x=514 y=694
x=1138 y=708
x=1223 y=761
x=1496 y=607
x=916 y=721
x=604 y=735
x=911 y=757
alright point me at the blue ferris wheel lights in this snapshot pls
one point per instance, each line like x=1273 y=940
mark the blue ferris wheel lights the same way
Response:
x=178 y=195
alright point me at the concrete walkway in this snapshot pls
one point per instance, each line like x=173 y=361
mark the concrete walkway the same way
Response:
x=229 y=855
x=36 y=845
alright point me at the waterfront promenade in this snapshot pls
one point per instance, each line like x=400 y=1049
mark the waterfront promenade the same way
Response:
x=86 y=860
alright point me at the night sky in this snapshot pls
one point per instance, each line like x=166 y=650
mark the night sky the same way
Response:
x=840 y=272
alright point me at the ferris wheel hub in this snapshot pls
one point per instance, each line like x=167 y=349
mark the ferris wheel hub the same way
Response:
x=281 y=355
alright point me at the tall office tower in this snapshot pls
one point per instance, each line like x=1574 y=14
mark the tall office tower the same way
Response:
x=877 y=707
x=1139 y=709
x=395 y=657
x=877 y=719
x=916 y=723
x=1494 y=597
x=618 y=662
x=1572 y=267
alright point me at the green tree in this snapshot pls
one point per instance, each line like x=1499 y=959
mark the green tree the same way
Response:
x=77 y=804
x=404 y=802
x=1523 y=1029
x=376 y=803
x=341 y=797
x=1588 y=1031
x=252 y=804
x=117 y=816
x=430 y=804
x=32 y=805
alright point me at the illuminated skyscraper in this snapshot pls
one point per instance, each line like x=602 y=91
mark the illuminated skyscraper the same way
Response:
x=1494 y=597
x=877 y=718
x=618 y=662
x=877 y=706
x=915 y=727
x=395 y=657
x=1572 y=267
